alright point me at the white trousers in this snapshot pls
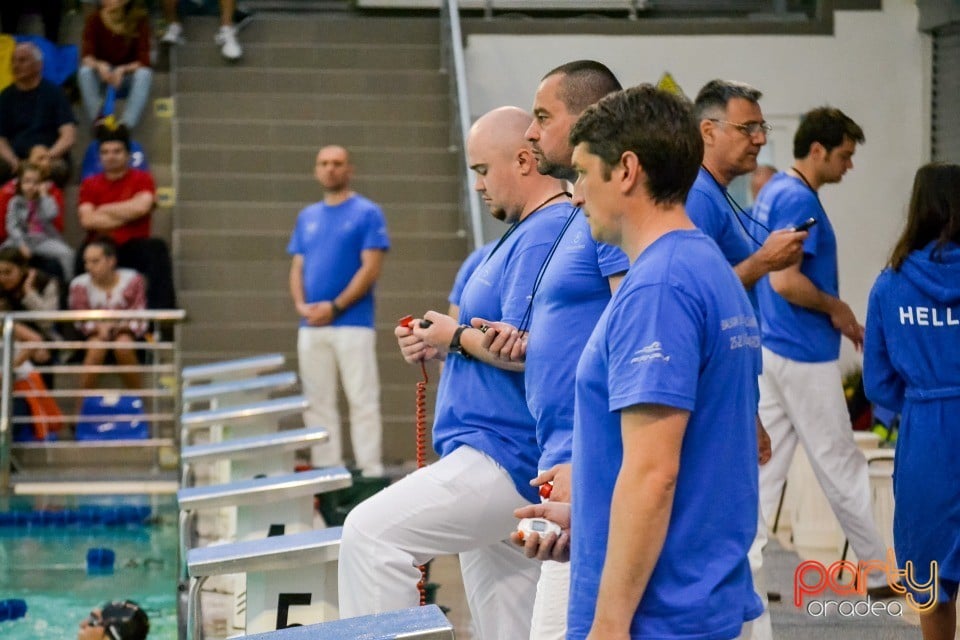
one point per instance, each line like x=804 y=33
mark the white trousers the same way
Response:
x=463 y=504
x=323 y=351
x=804 y=402
x=553 y=597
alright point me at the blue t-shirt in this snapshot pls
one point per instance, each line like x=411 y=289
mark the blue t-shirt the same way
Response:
x=466 y=270
x=573 y=293
x=330 y=239
x=678 y=332
x=709 y=209
x=479 y=405
x=789 y=330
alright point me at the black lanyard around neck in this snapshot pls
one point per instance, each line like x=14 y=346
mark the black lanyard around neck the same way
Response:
x=737 y=209
x=517 y=224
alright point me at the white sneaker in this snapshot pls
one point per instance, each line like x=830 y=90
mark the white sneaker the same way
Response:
x=227 y=39
x=173 y=34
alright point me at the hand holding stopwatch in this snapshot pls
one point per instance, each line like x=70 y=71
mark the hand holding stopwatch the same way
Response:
x=540 y=526
x=407 y=323
x=806 y=224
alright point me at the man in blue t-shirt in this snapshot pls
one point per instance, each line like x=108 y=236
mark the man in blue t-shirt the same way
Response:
x=483 y=431
x=664 y=471
x=573 y=287
x=801 y=389
x=338 y=247
x=733 y=131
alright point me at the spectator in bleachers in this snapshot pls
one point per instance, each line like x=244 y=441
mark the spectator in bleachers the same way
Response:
x=23 y=288
x=104 y=286
x=34 y=111
x=116 y=52
x=51 y=12
x=226 y=36
x=39 y=157
x=30 y=221
x=118 y=203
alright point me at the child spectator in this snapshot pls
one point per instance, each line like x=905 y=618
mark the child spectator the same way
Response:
x=116 y=52
x=104 y=286
x=30 y=221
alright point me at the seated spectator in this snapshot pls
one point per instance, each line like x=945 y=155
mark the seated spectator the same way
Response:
x=51 y=12
x=25 y=289
x=40 y=157
x=104 y=286
x=116 y=52
x=230 y=22
x=118 y=203
x=115 y=621
x=34 y=111
x=31 y=215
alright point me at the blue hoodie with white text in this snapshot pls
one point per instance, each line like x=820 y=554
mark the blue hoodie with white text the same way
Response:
x=912 y=365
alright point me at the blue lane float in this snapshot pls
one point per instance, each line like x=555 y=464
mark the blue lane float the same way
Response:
x=100 y=561
x=12 y=609
x=85 y=516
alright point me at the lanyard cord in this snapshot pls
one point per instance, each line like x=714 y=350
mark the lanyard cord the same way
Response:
x=516 y=224
x=809 y=186
x=738 y=210
x=528 y=314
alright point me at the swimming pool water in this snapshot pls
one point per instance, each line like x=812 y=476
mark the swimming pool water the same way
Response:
x=46 y=566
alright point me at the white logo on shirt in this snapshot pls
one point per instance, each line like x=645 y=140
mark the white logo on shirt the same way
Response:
x=577 y=242
x=653 y=351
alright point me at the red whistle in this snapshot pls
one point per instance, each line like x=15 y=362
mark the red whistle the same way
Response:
x=405 y=321
x=545 y=490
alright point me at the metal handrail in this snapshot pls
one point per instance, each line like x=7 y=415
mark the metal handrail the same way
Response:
x=174 y=316
x=451 y=38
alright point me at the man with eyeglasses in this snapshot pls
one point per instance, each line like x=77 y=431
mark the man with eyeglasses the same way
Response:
x=115 y=621
x=733 y=132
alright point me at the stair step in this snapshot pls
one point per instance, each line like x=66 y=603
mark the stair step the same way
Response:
x=247 y=245
x=414 y=134
x=330 y=29
x=323 y=81
x=299 y=190
x=311 y=54
x=223 y=275
x=300 y=160
x=256 y=216
x=310 y=107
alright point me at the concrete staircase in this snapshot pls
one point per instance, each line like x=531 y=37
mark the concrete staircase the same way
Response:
x=246 y=139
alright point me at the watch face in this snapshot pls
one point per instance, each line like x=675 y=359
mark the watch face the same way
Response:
x=538 y=526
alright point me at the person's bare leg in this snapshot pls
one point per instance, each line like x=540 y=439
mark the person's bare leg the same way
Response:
x=88 y=379
x=170 y=11
x=128 y=358
x=227 y=7
x=941 y=622
x=226 y=37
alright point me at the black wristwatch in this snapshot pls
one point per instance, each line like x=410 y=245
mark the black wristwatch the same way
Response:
x=455 y=346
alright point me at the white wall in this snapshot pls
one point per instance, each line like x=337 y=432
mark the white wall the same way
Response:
x=875 y=68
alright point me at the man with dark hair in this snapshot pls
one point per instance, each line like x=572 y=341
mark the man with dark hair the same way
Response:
x=575 y=283
x=34 y=111
x=665 y=395
x=563 y=94
x=801 y=389
x=482 y=427
x=118 y=203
